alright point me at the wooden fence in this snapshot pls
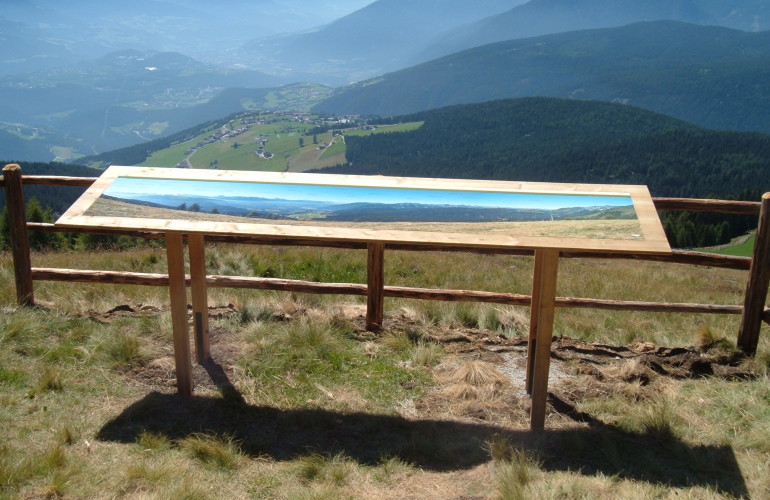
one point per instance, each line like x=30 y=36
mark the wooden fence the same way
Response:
x=753 y=311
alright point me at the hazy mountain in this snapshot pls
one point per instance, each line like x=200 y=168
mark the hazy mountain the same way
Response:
x=377 y=38
x=40 y=34
x=541 y=17
x=710 y=76
x=126 y=98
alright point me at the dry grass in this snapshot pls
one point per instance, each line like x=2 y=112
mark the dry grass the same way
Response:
x=301 y=402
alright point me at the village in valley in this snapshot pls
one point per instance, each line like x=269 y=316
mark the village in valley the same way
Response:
x=275 y=141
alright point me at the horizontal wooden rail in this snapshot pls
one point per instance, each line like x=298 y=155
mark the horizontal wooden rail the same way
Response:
x=675 y=257
x=708 y=205
x=299 y=286
x=283 y=285
x=103 y=277
x=55 y=180
x=661 y=203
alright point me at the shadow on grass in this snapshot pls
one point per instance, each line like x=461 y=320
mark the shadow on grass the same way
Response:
x=285 y=434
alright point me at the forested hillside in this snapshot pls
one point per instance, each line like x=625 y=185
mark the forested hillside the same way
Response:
x=560 y=140
x=555 y=140
x=714 y=77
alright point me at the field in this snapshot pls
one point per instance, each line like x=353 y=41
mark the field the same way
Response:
x=599 y=229
x=290 y=148
x=300 y=402
x=742 y=247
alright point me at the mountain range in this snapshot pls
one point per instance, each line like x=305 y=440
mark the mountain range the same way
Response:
x=43 y=34
x=710 y=76
x=392 y=34
x=542 y=17
x=383 y=36
x=84 y=76
x=279 y=209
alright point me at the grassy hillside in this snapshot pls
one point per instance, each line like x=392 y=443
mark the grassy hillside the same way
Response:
x=300 y=402
x=265 y=140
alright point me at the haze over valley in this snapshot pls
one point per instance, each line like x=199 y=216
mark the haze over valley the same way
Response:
x=84 y=81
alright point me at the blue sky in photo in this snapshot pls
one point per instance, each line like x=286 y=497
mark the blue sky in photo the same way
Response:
x=134 y=187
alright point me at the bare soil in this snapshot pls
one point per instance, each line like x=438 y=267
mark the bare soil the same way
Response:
x=579 y=369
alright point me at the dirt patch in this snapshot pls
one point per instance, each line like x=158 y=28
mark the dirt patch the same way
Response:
x=482 y=376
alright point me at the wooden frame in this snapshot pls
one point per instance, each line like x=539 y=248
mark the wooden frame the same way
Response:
x=648 y=238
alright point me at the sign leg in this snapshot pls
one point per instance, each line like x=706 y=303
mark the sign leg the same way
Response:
x=178 y=293
x=546 y=271
x=198 y=289
x=375 y=290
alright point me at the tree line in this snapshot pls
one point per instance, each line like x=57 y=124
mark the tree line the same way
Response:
x=556 y=140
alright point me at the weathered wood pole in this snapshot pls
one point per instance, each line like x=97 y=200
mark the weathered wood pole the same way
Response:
x=375 y=289
x=757 y=285
x=178 y=294
x=17 y=222
x=546 y=272
x=198 y=289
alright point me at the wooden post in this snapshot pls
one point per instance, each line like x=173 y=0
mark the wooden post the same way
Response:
x=178 y=293
x=375 y=290
x=546 y=267
x=757 y=285
x=17 y=222
x=534 y=312
x=198 y=289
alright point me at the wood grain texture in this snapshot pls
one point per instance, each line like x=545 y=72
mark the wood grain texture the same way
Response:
x=17 y=226
x=200 y=306
x=757 y=285
x=375 y=276
x=547 y=271
x=651 y=238
x=178 y=296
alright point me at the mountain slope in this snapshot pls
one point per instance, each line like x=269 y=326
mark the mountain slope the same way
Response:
x=560 y=140
x=541 y=17
x=710 y=76
x=379 y=37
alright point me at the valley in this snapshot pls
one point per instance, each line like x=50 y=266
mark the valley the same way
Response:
x=270 y=141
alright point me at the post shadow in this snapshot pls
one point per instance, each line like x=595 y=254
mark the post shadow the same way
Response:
x=437 y=445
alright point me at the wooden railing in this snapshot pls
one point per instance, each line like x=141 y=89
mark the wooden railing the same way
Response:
x=753 y=311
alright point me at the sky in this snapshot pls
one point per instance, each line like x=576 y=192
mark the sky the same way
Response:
x=140 y=188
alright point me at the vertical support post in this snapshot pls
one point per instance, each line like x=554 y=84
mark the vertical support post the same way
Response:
x=757 y=285
x=546 y=267
x=178 y=295
x=198 y=289
x=17 y=222
x=375 y=289
x=534 y=310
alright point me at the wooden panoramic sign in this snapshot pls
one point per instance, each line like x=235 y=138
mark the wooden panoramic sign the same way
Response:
x=373 y=208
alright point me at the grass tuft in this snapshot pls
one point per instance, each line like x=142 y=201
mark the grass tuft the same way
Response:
x=331 y=470
x=124 y=349
x=149 y=441
x=252 y=313
x=427 y=354
x=514 y=469
x=218 y=452
x=50 y=380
